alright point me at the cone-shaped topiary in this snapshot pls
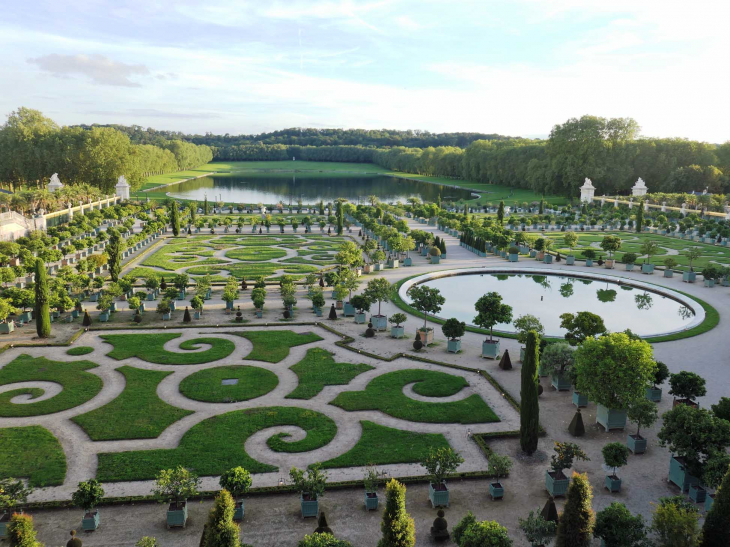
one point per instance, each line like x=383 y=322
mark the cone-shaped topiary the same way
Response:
x=187 y=318
x=529 y=405
x=576 y=427
x=333 y=313
x=42 y=307
x=505 y=363
x=716 y=530
x=549 y=511
x=575 y=528
x=21 y=532
x=322 y=527
x=397 y=525
x=87 y=319
x=220 y=530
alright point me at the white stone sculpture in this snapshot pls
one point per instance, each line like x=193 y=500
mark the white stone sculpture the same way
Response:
x=587 y=191
x=122 y=188
x=639 y=188
x=55 y=183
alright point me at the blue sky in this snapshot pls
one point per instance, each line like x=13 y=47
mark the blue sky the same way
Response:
x=237 y=66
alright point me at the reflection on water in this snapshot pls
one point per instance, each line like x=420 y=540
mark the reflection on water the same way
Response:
x=272 y=188
x=643 y=312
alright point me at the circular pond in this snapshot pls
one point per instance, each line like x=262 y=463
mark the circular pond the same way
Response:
x=648 y=310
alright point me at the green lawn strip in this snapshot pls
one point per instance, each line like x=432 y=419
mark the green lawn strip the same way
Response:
x=318 y=369
x=255 y=253
x=300 y=260
x=206 y=385
x=79 y=385
x=273 y=346
x=217 y=444
x=79 y=350
x=150 y=348
x=144 y=273
x=712 y=318
x=31 y=453
x=385 y=393
x=254 y=269
x=137 y=413
x=380 y=445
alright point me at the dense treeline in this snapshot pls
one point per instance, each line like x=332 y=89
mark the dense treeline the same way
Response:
x=33 y=147
x=310 y=137
x=606 y=151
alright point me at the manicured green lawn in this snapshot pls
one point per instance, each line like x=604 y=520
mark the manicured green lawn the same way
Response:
x=256 y=253
x=174 y=256
x=385 y=393
x=255 y=269
x=217 y=444
x=273 y=346
x=137 y=413
x=380 y=445
x=150 y=348
x=79 y=385
x=31 y=453
x=79 y=350
x=318 y=369
x=206 y=385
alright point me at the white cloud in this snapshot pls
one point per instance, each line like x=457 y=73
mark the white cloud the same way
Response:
x=100 y=69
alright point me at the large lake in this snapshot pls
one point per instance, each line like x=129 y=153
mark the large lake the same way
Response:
x=271 y=188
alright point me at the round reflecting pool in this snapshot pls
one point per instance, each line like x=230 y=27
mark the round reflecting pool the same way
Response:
x=648 y=310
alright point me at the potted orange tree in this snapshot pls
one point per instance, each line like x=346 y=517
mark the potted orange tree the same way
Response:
x=175 y=486
x=237 y=481
x=12 y=493
x=641 y=412
x=426 y=300
x=439 y=464
x=556 y=482
x=615 y=455
x=490 y=312
x=88 y=496
x=310 y=485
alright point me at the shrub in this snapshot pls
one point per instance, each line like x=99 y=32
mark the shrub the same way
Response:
x=461 y=527
x=21 y=532
x=397 y=318
x=687 y=385
x=88 y=495
x=564 y=455
x=661 y=374
x=576 y=523
x=397 y=525
x=529 y=405
x=722 y=408
x=453 y=328
x=440 y=463
x=581 y=326
x=176 y=484
x=220 y=530
x=236 y=480
x=537 y=530
x=323 y=540
x=676 y=525
x=486 y=532
x=524 y=324
x=716 y=530
x=310 y=482
x=491 y=311
x=617 y=527
x=615 y=455
x=361 y=303
x=514 y=250
x=147 y=541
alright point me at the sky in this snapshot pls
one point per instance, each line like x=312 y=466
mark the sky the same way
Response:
x=513 y=67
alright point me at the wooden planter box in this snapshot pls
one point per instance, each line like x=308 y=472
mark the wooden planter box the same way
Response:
x=612 y=483
x=490 y=349
x=560 y=382
x=709 y=500
x=380 y=323
x=177 y=516
x=408 y=262
x=349 y=310
x=317 y=312
x=548 y=258
x=371 y=501
x=360 y=318
x=439 y=498
x=454 y=346
x=514 y=257
x=689 y=277
x=697 y=494
x=397 y=332
x=90 y=522
x=496 y=490
x=426 y=336
x=647 y=268
x=611 y=418
x=636 y=443
x=556 y=486
x=6 y=328
x=580 y=400
x=570 y=260
x=310 y=508
x=589 y=262
x=679 y=476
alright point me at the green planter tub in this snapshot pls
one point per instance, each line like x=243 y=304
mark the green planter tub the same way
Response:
x=454 y=346
x=514 y=257
x=360 y=318
x=239 y=511
x=349 y=310
x=570 y=260
x=310 y=508
x=439 y=498
x=579 y=399
x=636 y=443
x=612 y=483
x=397 y=332
x=647 y=268
x=560 y=382
x=6 y=328
x=371 y=501
x=697 y=494
x=556 y=485
x=380 y=322
x=709 y=500
x=177 y=516
x=90 y=521
x=679 y=475
x=654 y=394
x=589 y=262
x=548 y=259
x=496 y=490
x=668 y=273
x=490 y=349
x=611 y=418
x=689 y=277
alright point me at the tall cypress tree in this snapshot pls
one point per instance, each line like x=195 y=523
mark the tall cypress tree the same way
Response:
x=575 y=528
x=193 y=211
x=175 y=218
x=640 y=217
x=397 y=525
x=500 y=213
x=114 y=251
x=205 y=205
x=716 y=530
x=42 y=308
x=220 y=530
x=339 y=218
x=529 y=405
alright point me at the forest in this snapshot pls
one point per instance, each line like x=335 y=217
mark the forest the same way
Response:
x=33 y=147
